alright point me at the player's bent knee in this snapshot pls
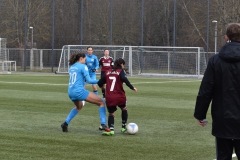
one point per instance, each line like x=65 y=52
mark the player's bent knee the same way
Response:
x=92 y=98
x=100 y=103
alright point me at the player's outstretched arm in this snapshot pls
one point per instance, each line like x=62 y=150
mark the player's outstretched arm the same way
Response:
x=96 y=64
x=135 y=89
x=89 y=80
x=125 y=80
x=102 y=81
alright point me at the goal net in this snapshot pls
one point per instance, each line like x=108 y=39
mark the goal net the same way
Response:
x=6 y=66
x=168 y=61
x=146 y=60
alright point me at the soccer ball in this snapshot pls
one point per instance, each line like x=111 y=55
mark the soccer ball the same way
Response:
x=132 y=128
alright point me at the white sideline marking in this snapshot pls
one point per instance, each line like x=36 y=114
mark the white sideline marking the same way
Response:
x=233 y=155
x=166 y=82
x=67 y=84
x=34 y=83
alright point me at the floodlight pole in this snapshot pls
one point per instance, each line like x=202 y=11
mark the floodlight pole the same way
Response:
x=31 y=54
x=111 y=16
x=32 y=37
x=208 y=3
x=214 y=21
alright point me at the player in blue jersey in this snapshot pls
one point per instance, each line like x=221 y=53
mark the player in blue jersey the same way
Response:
x=93 y=65
x=78 y=73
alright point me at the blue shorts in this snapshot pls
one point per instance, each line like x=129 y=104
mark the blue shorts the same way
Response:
x=80 y=96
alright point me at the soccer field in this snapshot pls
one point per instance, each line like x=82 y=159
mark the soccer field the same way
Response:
x=33 y=106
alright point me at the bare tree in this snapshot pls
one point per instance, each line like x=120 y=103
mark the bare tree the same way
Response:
x=195 y=28
x=225 y=12
x=126 y=23
x=12 y=25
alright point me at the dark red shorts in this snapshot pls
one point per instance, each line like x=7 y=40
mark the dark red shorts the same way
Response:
x=112 y=109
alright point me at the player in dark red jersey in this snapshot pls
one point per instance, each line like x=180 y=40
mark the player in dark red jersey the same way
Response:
x=106 y=63
x=115 y=95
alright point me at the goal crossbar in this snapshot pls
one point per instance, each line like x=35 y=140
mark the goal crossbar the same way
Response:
x=146 y=60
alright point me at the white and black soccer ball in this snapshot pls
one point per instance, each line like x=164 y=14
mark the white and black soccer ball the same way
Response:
x=132 y=128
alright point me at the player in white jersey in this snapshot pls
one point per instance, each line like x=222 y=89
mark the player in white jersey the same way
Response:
x=78 y=73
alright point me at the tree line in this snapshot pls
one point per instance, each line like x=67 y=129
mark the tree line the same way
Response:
x=94 y=16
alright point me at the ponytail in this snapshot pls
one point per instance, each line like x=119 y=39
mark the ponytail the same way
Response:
x=75 y=57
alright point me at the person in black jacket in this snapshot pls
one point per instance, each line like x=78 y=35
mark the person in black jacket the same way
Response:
x=221 y=86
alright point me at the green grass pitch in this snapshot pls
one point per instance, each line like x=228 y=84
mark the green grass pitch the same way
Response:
x=33 y=106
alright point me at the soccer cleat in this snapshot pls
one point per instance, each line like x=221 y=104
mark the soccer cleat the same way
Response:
x=103 y=127
x=111 y=133
x=100 y=128
x=64 y=127
x=123 y=130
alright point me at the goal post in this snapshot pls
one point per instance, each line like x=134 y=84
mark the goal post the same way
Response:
x=168 y=61
x=6 y=65
x=146 y=60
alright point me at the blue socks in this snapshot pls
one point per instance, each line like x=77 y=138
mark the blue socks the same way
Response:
x=95 y=92
x=102 y=114
x=71 y=115
x=74 y=112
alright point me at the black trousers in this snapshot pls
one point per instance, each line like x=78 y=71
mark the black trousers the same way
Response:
x=224 y=148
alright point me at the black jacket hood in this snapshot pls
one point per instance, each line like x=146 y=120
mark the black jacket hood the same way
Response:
x=230 y=52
